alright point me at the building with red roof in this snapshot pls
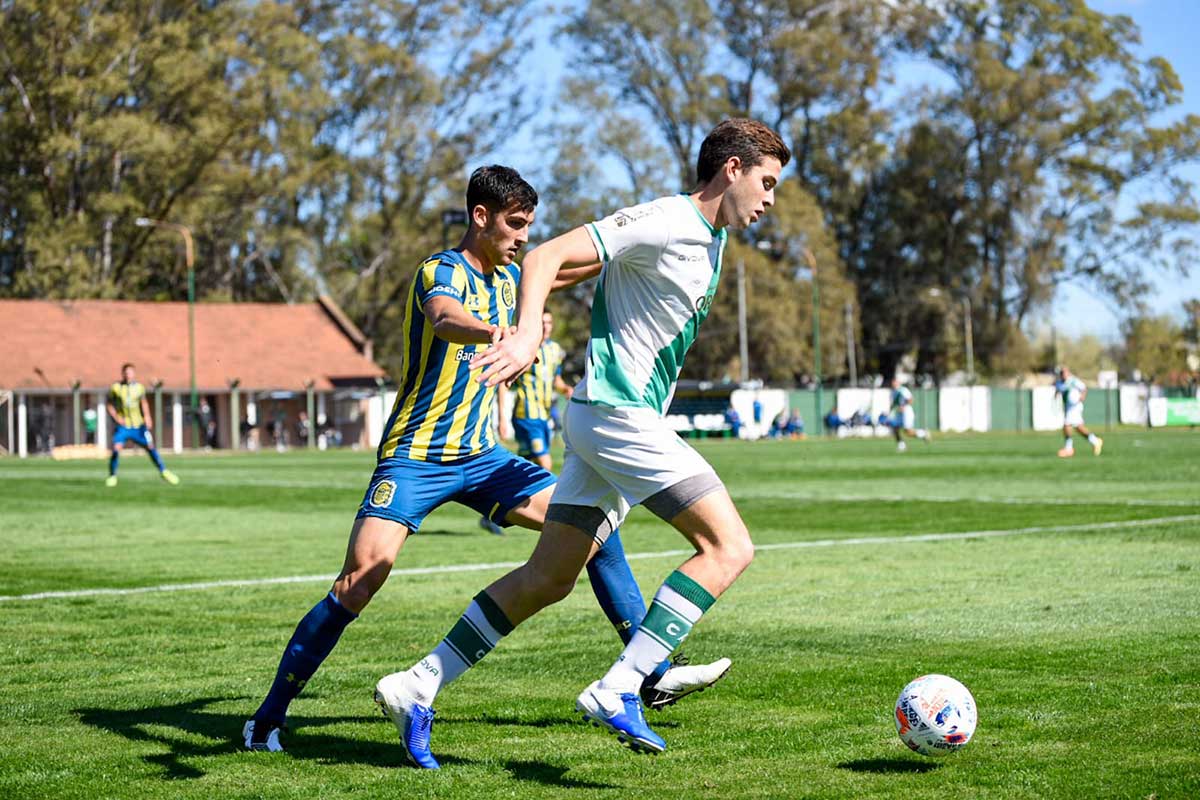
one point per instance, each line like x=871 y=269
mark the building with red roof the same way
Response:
x=260 y=370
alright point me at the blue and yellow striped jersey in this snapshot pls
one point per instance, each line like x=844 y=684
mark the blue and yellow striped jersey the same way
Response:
x=442 y=412
x=126 y=398
x=535 y=387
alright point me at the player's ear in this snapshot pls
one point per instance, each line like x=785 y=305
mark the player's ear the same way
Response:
x=480 y=216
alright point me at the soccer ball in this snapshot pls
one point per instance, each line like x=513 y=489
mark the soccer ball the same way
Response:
x=935 y=715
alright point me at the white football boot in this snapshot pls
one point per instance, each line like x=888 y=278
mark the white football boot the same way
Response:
x=683 y=679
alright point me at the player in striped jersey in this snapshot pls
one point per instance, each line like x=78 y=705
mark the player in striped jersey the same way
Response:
x=438 y=445
x=130 y=412
x=661 y=266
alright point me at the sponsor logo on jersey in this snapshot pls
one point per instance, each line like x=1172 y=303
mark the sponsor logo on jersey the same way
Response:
x=383 y=493
x=704 y=302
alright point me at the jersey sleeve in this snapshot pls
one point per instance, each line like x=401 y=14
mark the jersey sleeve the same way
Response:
x=114 y=396
x=437 y=278
x=635 y=235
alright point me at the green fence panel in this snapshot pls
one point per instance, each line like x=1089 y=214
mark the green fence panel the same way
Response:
x=1012 y=409
x=1100 y=407
x=925 y=408
x=805 y=400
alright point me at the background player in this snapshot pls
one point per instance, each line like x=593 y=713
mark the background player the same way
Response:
x=1073 y=391
x=130 y=412
x=439 y=446
x=903 y=418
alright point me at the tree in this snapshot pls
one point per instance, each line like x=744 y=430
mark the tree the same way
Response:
x=1153 y=345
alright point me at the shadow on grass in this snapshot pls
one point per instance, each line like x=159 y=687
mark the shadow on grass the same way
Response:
x=888 y=765
x=178 y=726
x=549 y=775
x=534 y=722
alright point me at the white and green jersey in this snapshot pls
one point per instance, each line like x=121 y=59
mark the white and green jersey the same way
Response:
x=1072 y=390
x=662 y=262
x=901 y=398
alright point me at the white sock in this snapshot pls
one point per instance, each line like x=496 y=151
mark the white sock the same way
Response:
x=1093 y=438
x=1069 y=444
x=677 y=606
x=478 y=630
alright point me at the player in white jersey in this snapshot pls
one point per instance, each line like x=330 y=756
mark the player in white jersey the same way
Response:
x=661 y=264
x=1072 y=390
x=903 y=418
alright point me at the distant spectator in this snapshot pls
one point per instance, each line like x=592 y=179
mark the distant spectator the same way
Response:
x=795 y=425
x=279 y=430
x=833 y=422
x=734 y=420
x=779 y=426
x=303 y=426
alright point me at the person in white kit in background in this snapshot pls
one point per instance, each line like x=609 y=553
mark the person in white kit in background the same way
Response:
x=661 y=265
x=903 y=419
x=1072 y=390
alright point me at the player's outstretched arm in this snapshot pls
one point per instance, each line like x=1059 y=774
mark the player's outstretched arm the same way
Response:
x=571 y=276
x=512 y=356
x=452 y=323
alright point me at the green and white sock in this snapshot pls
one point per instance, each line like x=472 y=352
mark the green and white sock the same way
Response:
x=477 y=632
x=1093 y=438
x=678 y=605
x=1068 y=444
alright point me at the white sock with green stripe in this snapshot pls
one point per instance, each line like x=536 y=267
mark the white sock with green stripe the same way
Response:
x=678 y=605
x=478 y=630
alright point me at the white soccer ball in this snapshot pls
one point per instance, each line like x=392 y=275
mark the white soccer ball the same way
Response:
x=935 y=715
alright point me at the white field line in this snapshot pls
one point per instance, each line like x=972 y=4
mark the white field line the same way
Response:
x=800 y=496
x=862 y=540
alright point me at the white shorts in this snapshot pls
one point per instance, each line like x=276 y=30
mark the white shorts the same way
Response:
x=617 y=458
x=905 y=418
x=1073 y=416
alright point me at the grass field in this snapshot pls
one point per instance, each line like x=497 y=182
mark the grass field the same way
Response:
x=1067 y=599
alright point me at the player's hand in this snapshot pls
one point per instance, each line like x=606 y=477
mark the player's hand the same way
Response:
x=509 y=356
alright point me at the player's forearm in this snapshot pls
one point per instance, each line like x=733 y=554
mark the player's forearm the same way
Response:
x=461 y=329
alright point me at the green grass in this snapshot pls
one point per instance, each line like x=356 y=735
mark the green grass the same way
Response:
x=1081 y=644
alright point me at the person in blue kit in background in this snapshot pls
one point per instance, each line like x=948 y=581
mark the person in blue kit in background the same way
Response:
x=130 y=412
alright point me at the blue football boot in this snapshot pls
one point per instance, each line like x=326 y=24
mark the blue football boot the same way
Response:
x=413 y=720
x=621 y=713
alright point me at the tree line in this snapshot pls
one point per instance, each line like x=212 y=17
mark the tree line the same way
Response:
x=955 y=161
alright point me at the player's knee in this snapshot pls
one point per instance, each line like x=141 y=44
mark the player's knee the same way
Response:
x=354 y=590
x=548 y=587
x=736 y=551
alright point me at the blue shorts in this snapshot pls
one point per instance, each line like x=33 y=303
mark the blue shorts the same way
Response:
x=138 y=435
x=533 y=437
x=493 y=483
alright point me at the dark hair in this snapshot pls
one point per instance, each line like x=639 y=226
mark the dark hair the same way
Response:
x=748 y=139
x=126 y=365
x=496 y=188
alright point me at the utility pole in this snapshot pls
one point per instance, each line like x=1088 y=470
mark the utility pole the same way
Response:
x=743 y=338
x=851 y=355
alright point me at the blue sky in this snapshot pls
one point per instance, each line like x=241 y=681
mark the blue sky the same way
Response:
x=1168 y=29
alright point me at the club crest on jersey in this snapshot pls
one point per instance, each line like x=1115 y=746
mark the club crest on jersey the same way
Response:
x=507 y=297
x=383 y=493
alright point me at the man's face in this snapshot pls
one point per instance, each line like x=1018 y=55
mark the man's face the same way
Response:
x=547 y=325
x=750 y=193
x=505 y=232
x=127 y=375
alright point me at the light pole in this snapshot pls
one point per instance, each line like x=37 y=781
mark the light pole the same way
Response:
x=743 y=337
x=189 y=259
x=811 y=260
x=451 y=216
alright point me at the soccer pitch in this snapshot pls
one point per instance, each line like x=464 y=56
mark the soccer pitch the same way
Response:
x=1065 y=594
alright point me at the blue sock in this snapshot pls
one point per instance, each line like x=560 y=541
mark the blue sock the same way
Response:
x=619 y=595
x=158 y=462
x=313 y=640
x=112 y=463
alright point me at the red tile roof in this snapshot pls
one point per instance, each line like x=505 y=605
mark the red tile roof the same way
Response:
x=48 y=344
